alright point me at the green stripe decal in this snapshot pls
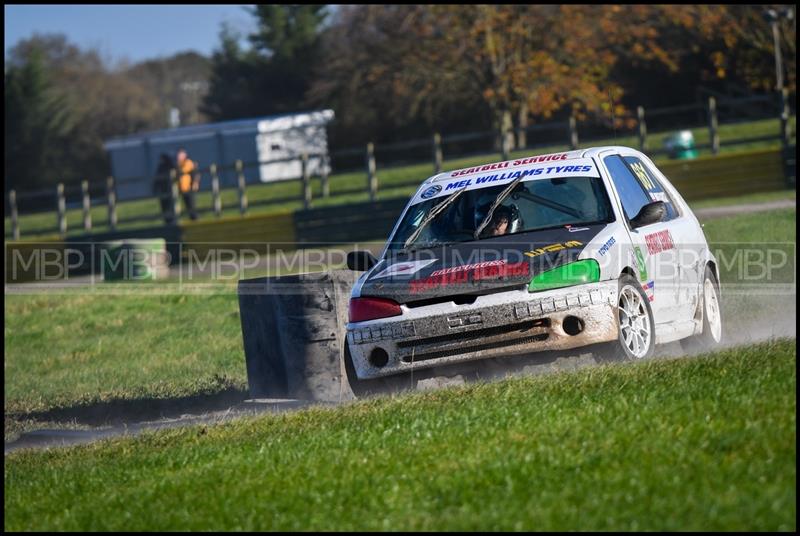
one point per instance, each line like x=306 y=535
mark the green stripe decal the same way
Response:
x=574 y=273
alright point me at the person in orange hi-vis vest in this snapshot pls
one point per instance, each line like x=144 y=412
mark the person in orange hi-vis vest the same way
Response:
x=188 y=181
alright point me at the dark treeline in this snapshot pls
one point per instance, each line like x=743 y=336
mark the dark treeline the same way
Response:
x=391 y=73
x=62 y=103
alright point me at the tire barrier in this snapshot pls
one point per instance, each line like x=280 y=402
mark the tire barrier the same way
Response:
x=293 y=329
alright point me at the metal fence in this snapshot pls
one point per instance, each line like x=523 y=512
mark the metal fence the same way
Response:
x=570 y=132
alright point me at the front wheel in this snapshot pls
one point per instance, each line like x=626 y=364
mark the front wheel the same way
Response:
x=711 y=336
x=637 y=338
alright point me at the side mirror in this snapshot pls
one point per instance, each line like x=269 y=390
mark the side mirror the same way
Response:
x=360 y=260
x=650 y=213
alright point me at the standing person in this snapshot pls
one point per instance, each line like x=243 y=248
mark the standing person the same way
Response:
x=188 y=181
x=162 y=187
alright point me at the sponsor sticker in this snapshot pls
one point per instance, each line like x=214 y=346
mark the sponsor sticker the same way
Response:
x=658 y=242
x=649 y=290
x=553 y=247
x=640 y=263
x=572 y=229
x=499 y=175
x=467 y=267
x=659 y=196
x=509 y=176
x=642 y=175
x=605 y=247
x=509 y=163
x=430 y=192
x=403 y=268
x=484 y=271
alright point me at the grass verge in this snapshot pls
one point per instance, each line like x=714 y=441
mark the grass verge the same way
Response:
x=690 y=444
x=762 y=197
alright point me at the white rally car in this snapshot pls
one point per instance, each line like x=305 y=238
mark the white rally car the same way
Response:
x=546 y=252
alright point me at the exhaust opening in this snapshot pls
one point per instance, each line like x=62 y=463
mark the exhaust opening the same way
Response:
x=572 y=325
x=378 y=357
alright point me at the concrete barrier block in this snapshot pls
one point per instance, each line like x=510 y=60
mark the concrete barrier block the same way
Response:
x=293 y=328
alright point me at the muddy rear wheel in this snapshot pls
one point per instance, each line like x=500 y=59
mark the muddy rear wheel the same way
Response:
x=711 y=336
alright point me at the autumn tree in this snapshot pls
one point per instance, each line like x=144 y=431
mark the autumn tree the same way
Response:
x=519 y=61
x=180 y=81
x=384 y=80
x=386 y=68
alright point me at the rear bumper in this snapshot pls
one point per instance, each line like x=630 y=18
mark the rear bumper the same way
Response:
x=508 y=323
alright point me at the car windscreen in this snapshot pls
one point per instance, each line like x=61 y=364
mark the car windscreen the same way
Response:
x=532 y=205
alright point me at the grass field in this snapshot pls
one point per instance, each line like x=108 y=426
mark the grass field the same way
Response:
x=690 y=444
x=763 y=197
x=390 y=180
x=84 y=348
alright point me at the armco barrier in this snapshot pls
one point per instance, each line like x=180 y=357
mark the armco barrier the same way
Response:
x=358 y=222
x=727 y=175
x=303 y=228
x=250 y=232
x=28 y=260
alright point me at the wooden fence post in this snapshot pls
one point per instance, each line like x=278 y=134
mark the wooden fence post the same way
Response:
x=504 y=144
x=215 y=198
x=306 y=181
x=522 y=137
x=62 y=209
x=326 y=187
x=713 y=133
x=372 y=178
x=785 y=134
x=642 y=128
x=241 y=183
x=12 y=200
x=112 y=203
x=573 y=133
x=87 y=206
x=437 y=153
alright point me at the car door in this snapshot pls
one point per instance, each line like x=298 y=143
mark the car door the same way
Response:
x=654 y=245
x=688 y=237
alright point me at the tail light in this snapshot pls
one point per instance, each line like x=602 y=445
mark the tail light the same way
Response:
x=371 y=308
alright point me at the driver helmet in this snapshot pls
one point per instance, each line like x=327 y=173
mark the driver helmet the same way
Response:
x=510 y=213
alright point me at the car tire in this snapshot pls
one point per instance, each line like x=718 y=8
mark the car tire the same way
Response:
x=636 y=334
x=711 y=336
